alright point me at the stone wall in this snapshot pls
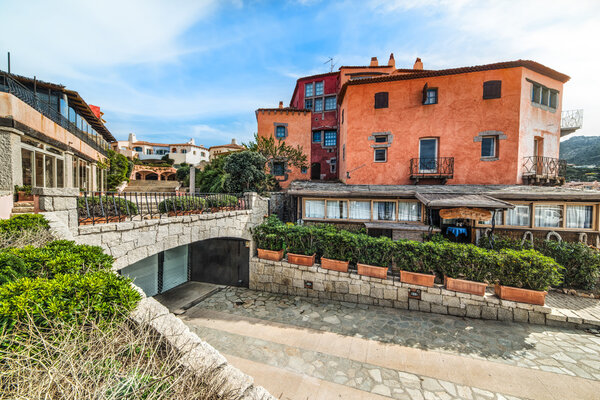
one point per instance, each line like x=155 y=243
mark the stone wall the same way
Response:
x=285 y=278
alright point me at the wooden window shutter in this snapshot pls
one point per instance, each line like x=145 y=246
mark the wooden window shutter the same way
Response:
x=381 y=100
x=492 y=89
x=424 y=100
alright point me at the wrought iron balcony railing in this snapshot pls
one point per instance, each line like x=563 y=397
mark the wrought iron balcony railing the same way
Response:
x=12 y=86
x=571 y=120
x=544 y=168
x=437 y=168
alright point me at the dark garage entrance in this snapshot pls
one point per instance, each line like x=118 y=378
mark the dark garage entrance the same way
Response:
x=221 y=261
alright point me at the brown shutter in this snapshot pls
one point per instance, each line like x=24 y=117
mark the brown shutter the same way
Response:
x=381 y=100
x=492 y=89
x=425 y=87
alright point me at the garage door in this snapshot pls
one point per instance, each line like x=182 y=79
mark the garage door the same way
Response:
x=220 y=261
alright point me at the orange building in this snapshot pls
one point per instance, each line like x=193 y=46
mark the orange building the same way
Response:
x=293 y=126
x=489 y=124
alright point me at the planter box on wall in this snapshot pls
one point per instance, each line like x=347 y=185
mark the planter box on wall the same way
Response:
x=416 y=278
x=464 y=286
x=528 y=296
x=372 y=270
x=23 y=196
x=334 y=265
x=273 y=255
x=301 y=259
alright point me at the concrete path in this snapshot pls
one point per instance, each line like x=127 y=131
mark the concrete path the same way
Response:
x=574 y=308
x=301 y=348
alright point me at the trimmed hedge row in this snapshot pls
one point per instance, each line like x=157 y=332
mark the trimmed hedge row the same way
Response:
x=519 y=268
x=23 y=222
x=581 y=263
x=179 y=204
x=109 y=206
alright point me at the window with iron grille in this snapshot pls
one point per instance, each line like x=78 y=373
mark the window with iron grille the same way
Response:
x=381 y=100
x=431 y=96
x=308 y=103
x=330 y=103
x=330 y=138
x=380 y=155
x=280 y=132
x=544 y=96
x=278 y=168
x=381 y=139
x=492 y=89
x=316 y=136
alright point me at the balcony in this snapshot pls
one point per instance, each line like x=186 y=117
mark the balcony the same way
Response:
x=441 y=168
x=570 y=121
x=544 y=171
x=12 y=86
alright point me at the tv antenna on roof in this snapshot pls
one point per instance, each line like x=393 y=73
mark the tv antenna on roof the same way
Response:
x=331 y=64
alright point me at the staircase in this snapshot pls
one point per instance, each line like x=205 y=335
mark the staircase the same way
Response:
x=142 y=186
x=23 y=207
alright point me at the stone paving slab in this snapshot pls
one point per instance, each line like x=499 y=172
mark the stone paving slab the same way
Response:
x=574 y=309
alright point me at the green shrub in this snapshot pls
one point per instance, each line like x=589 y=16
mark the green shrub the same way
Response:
x=103 y=206
x=25 y=188
x=182 y=203
x=377 y=251
x=301 y=240
x=337 y=245
x=418 y=257
x=221 y=200
x=526 y=269
x=269 y=241
x=69 y=297
x=11 y=267
x=23 y=222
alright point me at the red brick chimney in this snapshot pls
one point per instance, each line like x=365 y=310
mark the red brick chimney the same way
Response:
x=281 y=104
x=418 y=64
x=374 y=62
x=392 y=62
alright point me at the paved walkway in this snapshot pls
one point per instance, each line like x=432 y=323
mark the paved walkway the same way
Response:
x=300 y=348
x=575 y=309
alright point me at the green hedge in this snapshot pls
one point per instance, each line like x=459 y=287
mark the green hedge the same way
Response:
x=23 y=222
x=521 y=268
x=182 y=203
x=581 y=263
x=100 y=206
x=221 y=200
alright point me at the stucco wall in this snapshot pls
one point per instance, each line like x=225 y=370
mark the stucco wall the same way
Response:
x=6 y=204
x=460 y=115
x=298 y=134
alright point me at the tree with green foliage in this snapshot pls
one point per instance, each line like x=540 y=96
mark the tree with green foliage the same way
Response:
x=278 y=150
x=119 y=169
x=245 y=171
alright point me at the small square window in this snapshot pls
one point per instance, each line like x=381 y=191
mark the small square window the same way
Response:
x=329 y=103
x=492 y=89
x=308 y=104
x=545 y=96
x=318 y=105
x=304 y=170
x=431 y=96
x=308 y=90
x=488 y=146
x=330 y=138
x=318 y=88
x=280 y=132
x=553 y=99
x=316 y=136
x=536 y=92
x=381 y=100
x=332 y=165
x=381 y=139
x=380 y=155
x=278 y=168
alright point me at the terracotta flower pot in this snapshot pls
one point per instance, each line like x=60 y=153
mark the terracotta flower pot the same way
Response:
x=273 y=255
x=416 y=278
x=528 y=296
x=301 y=259
x=464 y=286
x=334 y=265
x=372 y=270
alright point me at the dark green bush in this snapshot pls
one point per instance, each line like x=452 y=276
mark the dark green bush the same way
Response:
x=269 y=241
x=527 y=269
x=221 y=200
x=337 y=245
x=377 y=251
x=23 y=222
x=11 y=267
x=103 y=206
x=67 y=298
x=301 y=240
x=182 y=203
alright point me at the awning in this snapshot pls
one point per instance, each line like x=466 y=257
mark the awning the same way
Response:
x=446 y=200
x=399 y=226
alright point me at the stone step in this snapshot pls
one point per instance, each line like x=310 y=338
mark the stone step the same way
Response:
x=22 y=210
x=23 y=203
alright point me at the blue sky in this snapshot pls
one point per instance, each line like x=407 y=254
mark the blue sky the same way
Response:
x=171 y=70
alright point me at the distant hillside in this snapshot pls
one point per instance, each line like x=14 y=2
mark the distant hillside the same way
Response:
x=581 y=150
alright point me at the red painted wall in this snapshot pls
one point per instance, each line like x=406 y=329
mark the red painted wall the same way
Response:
x=459 y=116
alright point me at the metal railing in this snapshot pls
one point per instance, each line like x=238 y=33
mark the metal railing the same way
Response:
x=571 y=120
x=12 y=86
x=104 y=207
x=544 y=167
x=440 y=167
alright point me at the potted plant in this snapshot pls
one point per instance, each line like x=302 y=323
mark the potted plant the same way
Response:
x=269 y=246
x=465 y=267
x=415 y=261
x=300 y=246
x=24 y=193
x=336 y=250
x=525 y=276
x=373 y=256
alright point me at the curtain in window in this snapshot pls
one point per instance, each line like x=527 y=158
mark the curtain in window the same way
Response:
x=519 y=216
x=360 y=210
x=384 y=210
x=337 y=209
x=548 y=216
x=409 y=211
x=498 y=218
x=579 y=217
x=314 y=209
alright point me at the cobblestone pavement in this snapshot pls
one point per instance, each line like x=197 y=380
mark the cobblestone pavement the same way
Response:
x=566 y=352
